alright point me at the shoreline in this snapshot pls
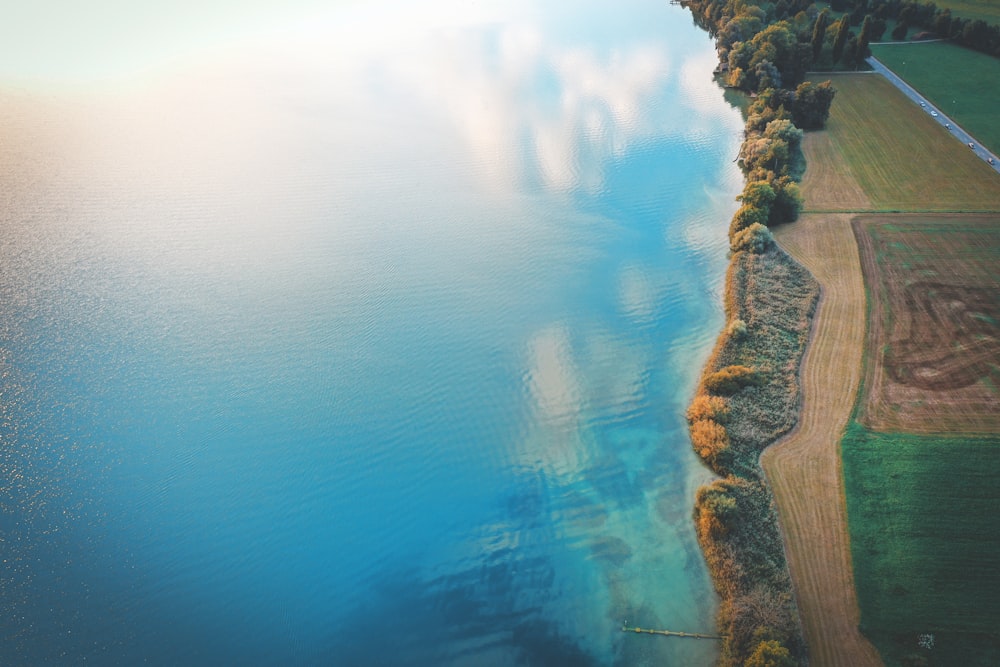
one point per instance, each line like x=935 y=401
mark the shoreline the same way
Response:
x=736 y=517
x=748 y=396
x=774 y=527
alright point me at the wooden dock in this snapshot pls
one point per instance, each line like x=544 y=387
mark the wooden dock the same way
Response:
x=670 y=633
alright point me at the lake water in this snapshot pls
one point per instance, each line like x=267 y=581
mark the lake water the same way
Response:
x=356 y=334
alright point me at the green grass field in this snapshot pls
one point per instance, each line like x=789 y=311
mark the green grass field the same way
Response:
x=960 y=82
x=924 y=514
x=987 y=10
x=901 y=157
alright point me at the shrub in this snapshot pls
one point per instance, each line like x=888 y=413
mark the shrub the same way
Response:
x=729 y=380
x=747 y=216
x=770 y=653
x=708 y=407
x=709 y=439
x=756 y=239
x=715 y=510
x=737 y=330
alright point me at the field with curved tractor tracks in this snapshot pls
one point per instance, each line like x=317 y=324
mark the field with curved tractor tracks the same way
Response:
x=934 y=338
x=898 y=507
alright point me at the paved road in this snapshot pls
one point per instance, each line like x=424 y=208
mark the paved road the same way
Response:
x=941 y=118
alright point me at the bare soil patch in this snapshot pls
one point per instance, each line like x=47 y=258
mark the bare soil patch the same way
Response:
x=933 y=347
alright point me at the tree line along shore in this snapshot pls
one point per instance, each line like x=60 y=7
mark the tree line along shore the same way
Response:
x=748 y=395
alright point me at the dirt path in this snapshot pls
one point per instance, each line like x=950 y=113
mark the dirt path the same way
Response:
x=804 y=468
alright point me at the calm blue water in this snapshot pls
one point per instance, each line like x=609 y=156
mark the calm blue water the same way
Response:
x=359 y=336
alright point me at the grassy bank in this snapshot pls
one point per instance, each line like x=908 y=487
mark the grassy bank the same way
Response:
x=925 y=535
x=747 y=398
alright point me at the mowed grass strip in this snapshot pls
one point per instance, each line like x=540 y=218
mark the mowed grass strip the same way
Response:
x=925 y=534
x=804 y=468
x=901 y=157
x=828 y=183
x=960 y=82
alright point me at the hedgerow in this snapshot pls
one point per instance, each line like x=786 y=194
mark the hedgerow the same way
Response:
x=748 y=395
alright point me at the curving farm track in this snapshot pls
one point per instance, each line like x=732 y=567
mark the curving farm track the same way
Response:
x=804 y=468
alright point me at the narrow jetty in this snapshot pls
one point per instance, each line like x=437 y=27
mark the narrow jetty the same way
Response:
x=670 y=633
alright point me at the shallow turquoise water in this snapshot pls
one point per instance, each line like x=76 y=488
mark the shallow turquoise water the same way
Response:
x=363 y=340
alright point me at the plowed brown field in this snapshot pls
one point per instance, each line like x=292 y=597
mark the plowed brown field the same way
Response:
x=934 y=343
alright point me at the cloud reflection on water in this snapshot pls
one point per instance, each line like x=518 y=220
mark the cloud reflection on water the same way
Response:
x=419 y=131
x=533 y=110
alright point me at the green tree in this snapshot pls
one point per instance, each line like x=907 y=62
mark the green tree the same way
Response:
x=788 y=200
x=840 y=40
x=778 y=43
x=739 y=65
x=784 y=129
x=908 y=14
x=770 y=653
x=775 y=99
x=754 y=239
x=812 y=104
x=850 y=56
x=768 y=75
x=899 y=32
x=741 y=27
x=976 y=35
x=819 y=33
x=758 y=117
x=942 y=22
x=799 y=64
x=747 y=216
x=878 y=29
x=758 y=194
x=863 y=40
